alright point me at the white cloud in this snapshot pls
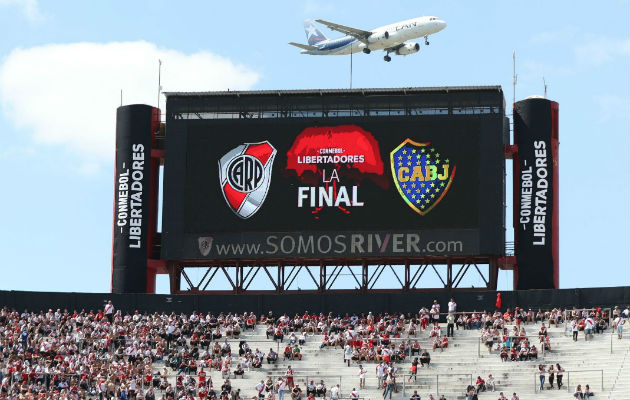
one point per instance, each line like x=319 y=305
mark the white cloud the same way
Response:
x=67 y=94
x=563 y=34
x=596 y=51
x=30 y=8
x=16 y=151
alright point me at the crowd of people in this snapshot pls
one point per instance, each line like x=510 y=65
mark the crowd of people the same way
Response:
x=63 y=355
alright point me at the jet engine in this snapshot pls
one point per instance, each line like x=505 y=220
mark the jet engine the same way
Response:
x=378 y=37
x=408 y=48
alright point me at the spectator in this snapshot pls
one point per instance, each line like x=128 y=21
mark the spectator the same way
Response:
x=310 y=388
x=380 y=375
x=296 y=393
x=320 y=389
x=347 y=355
x=515 y=396
x=587 y=392
x=362 y=374
x=490 y=385
x=414 y=370
x=425 y=358
x=504 y=353
x=415 y=396
x=109 y=311
x=559 y=374
x=435 y=311
x=335 y=393
x=578 y=392
x=354 y=394
x=415 y=348
x=260 y=388
x=296 y=353
x=481 y=384
x=289 y=376
x=574 y=329
x=452 y=306
x=589 y=325
x=618 y=325
x=389 y=386
x=450 y=324
x=551 y=371
x=281 y=386
x=541 y=376
x=502 y=397
x=272 y=357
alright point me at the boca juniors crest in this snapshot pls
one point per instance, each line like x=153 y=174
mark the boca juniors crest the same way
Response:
x=245 y=176
x=422 y=174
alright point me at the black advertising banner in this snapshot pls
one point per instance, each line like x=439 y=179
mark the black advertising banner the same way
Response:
x=343 y=187
x=131 y=198
x=535 y=121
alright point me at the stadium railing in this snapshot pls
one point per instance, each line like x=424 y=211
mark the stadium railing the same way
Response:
x=567 y=374
x=424 y=377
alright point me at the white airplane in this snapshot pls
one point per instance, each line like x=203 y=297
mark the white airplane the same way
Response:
x=389 y=38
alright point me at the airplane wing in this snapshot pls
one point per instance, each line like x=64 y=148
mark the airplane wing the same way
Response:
x=303 y=46
x=357 y=33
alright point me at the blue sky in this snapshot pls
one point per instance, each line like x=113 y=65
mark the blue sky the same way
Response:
x=63 y=65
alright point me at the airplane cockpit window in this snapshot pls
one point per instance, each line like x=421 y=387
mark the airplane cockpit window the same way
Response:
x=432 y=19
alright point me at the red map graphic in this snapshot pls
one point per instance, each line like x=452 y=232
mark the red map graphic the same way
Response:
x=343 y=142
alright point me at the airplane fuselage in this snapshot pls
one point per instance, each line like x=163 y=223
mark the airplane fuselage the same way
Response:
x=384 y=37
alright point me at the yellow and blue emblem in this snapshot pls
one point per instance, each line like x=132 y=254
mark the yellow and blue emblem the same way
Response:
x=422 y=174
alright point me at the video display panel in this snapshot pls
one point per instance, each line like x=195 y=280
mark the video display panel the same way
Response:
x=334 y=188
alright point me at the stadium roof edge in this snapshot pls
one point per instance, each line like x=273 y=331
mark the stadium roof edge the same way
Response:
x=364 y=91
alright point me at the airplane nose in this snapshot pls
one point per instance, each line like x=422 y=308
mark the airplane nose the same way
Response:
x=442 y=24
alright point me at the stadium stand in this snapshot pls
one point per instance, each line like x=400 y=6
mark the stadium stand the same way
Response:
x=89 y=355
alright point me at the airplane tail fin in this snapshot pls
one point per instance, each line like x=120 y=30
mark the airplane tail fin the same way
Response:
x=313 y=34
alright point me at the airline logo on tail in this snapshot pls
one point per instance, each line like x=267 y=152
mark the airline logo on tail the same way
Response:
x=313 y=35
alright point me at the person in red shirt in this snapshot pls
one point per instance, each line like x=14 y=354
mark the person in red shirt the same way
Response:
x=481 y=384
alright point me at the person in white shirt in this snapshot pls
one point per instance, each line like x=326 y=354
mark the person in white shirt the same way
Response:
x=380 y=375
x=574 y=329
x=109 y=311
x=354 y=394
x=490 y=383
x=261 y=390
x=347 y=354
x=588 y=328
x=281 y=385
x=452 y=306
x=335 y=393
x=618 y=324
x=362 y=374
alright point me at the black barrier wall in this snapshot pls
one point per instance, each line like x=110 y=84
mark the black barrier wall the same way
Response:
x=536 y=193
x=131 y=198
x=335 y=303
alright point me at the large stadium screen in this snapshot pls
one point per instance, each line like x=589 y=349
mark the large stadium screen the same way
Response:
x=334 y=188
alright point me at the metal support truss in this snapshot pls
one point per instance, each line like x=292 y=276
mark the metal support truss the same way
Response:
x=319 y=276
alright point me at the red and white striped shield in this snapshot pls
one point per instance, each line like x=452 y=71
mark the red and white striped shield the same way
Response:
x=245 y=176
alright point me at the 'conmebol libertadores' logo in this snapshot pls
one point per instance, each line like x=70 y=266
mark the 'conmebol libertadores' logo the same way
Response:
x=422 y=175
x=245 y=175
x=205 y=245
